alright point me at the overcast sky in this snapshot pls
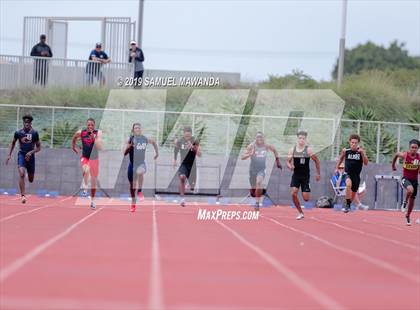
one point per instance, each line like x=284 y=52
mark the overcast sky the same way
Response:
x=253 y=37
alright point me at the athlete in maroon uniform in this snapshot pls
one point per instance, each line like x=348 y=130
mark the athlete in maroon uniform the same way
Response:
x=91 y=143
x=411 y=170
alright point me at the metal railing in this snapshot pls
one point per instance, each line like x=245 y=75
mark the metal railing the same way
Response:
x=26 y=71
x=57 y=125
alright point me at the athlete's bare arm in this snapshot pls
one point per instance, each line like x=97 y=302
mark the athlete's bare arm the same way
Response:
x=128 y=146
x=289 y=162
x=396 y=157
x=155 y=147
x=98 y=141
x=276 y=155
x=176 y=151
x=35 y=150
x=11 y=148
x=364 y=156
x=249 y=151
x=317 y=164
x=76 y=137
x=341 y=159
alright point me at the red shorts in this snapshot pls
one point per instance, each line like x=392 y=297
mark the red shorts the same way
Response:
x=93 y=165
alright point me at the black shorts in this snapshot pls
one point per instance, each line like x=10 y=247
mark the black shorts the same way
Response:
x=253 y=174
x=189 y=171
x=414 y=183
x=355 y=181
x=302 y=182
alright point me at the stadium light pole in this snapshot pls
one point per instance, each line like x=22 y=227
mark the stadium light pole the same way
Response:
x=140 y=24
x=342 y=45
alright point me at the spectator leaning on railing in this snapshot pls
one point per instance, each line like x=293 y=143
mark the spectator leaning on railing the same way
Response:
x=136 y=56
x=97 y=58
x=41 y=66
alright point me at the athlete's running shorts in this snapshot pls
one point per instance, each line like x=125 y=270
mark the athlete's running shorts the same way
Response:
x=414 y=183
x=28 y=165
x=134 y=168
x=302 y=182
x=93 y=165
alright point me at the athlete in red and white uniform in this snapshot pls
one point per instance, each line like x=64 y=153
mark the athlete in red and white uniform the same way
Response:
x=411 y=170
x=91 y=143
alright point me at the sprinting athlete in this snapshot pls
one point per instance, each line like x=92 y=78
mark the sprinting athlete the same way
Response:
x=29 y=144
x=189 y=148
x=298 y=161
x=136 y=149
x=91 y=143
x=257 y=151
x=411 y=170
x=354 y=158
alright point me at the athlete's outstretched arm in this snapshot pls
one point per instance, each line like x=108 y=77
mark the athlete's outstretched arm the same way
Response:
x=340 y=160
x=11 y=148
x=155 y=147
x=394 y=160
x=276 y=155
x=198 y=150
x=249 y=151
x=317 y=164
x=98 y=141
x=76 y=137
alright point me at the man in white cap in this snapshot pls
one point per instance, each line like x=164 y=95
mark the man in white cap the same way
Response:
x=136 y=56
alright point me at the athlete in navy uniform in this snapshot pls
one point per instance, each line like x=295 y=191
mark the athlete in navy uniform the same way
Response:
x=189 y=148
x=29 y=145
x=354 y=158
x=136 y=149
x=298 y=161
x=257 y=151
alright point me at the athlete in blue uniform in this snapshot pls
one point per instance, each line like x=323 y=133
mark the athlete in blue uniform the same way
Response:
x=257 y=151
x=29 y=145
x=136 y=149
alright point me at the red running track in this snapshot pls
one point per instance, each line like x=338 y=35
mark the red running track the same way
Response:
x=55 y=254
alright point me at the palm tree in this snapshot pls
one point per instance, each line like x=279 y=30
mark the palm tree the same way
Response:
x=63 y=133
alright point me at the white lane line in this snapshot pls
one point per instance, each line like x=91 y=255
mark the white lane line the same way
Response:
x=23 y=260
x=365 y=257
x=65 y=304
x=407 y=245
x=9 y=217
x=155 y=295
x=324 y=300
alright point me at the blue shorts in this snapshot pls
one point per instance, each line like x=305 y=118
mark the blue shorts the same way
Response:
x=28 y=165
x=132 y=168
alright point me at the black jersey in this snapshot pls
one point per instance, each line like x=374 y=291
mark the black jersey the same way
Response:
x=89 y=149
x=27 y=139
x=185 y=148
x=301 y=162
x=353 y=162
x=138 y=151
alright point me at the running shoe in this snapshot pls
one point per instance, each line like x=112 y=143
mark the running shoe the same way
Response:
x=133 y=207
x=404 y=206
x=257 y=206
x=182 y=202
x=363 y=207
x=300 y=216
x=140 y=196
x=23 y=199
x=407 y=220
x=346 y=209
x=92 y=205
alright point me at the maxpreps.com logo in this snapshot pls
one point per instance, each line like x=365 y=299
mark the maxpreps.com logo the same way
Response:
x=219 y=214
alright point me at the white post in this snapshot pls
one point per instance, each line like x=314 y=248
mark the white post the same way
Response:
x=342 y=45
x=140 y=24
x=378 y=143
x=52 y=128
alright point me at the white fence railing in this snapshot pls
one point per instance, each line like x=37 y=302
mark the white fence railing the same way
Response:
x=25 y=71
x=57 y=123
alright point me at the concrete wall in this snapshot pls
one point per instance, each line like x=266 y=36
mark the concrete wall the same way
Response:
x=59 y=170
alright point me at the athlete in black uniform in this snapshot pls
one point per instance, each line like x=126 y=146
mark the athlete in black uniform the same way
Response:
x=257 y=151
x=298 y=161
x=29 y=144
x=189 y=148
x=136 y=149
x=91 y=142
x=354 y=158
